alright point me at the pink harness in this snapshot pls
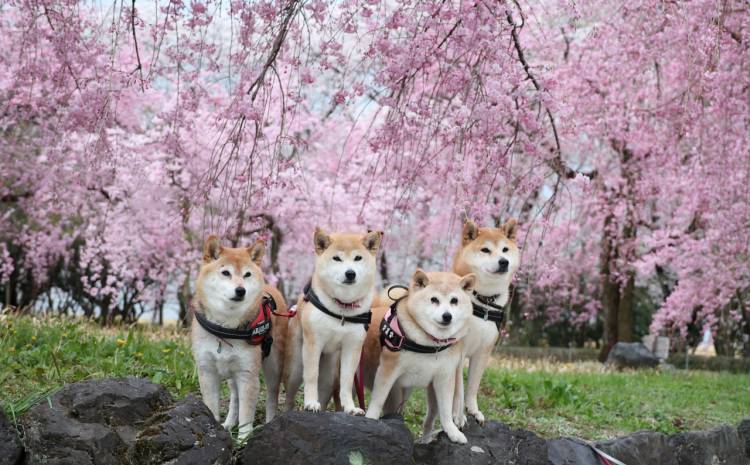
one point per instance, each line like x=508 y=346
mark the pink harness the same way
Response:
x=392 y=336
x=392 y=326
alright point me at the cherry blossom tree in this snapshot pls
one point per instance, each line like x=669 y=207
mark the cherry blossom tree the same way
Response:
x=616 y=134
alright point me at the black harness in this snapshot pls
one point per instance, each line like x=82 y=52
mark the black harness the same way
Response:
x=395 y=342
x=256 y=332
x=362 y=319
x=497 y=315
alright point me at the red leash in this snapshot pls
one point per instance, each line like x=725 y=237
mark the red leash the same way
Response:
x=359 y=385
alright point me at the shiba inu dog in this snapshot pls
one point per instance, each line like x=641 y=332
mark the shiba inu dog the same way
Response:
x=231 y=331
x=490 y=254
x=332 y=318
x=417 y=342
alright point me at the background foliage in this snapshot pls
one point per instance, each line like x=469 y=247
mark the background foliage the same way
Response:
x=617 y=133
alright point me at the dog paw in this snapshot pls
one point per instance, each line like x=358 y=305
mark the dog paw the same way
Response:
x=479 y=417
x=457 y=437
x=244 y=433
x=356 y=411
x=228 y=425
x=312 y=406
x=460 y=421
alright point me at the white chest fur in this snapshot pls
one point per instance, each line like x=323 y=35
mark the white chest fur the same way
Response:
x=226 y=357
x=331 y=331
x=419 y=370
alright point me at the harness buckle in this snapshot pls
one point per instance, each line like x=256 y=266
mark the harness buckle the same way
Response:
x=486 y=315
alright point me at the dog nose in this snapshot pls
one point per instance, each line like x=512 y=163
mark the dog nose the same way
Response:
x=239 y=291
x=350 y=275
x=447 y=317
x=503 y=264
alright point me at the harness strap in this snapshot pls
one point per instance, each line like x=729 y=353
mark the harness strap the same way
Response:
x=256 y=332
x=495 y=313
x=362 y=319
x=393 y=338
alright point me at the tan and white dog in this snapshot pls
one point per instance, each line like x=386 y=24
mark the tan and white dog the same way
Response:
x=418 y=342
x=329 y=329
x=490 y=254
x=229 y=296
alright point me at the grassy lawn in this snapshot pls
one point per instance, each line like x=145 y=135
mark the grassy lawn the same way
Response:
x=38 y=356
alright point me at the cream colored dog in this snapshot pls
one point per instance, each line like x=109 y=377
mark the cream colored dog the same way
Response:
x=329 y=329
x=490 y=254
x=230 y=330
x=417 y=342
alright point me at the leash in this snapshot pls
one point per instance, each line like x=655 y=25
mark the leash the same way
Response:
x=605 y=458
x=359 y=383
x=291 y=312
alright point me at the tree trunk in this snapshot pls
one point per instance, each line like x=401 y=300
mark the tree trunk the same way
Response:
x=183 y=299
x=610 y=290
x=625 y=320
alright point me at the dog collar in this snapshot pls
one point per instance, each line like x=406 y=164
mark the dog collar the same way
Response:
x=312 y=297
x=393 y=338
x=256 y=332
x=347 y=305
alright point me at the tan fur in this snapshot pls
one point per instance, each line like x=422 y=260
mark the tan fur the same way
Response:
x=391 y=375
x=235 y=361
x=321 y=351
x=483 y=334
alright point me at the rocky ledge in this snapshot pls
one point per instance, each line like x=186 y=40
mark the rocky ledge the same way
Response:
x=131 y=421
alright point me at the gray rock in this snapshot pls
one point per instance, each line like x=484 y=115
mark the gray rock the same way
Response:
x=11 y=451
x=631 y=355
x=743 y=429
x=99 y=422
x=500 y=445
x=298 y=438
x=569 y=451
x=641 y=448
x=185 y=434
x=717 y=446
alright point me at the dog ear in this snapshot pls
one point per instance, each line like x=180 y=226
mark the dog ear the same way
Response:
x=257 y=251
x=212 y=248
x=469 y=233
x=510 y=228
x=467 y=282
x=372 y=240
x=321 y=241
x=420 y=279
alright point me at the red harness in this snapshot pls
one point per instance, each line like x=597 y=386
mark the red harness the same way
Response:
x=256 y=332
x=260 y=327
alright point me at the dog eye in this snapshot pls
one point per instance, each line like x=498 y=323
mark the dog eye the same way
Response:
x=226 y=273
x=485 y=250
x=357 y=258
x=247 y=275
x=454 y=301
x=505 y=249
x=337 y=258
x=435 y=301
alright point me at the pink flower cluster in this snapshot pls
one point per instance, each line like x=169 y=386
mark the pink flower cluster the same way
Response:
x=129 y=135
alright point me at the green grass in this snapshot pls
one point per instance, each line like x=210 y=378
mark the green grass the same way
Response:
x=39 y=355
